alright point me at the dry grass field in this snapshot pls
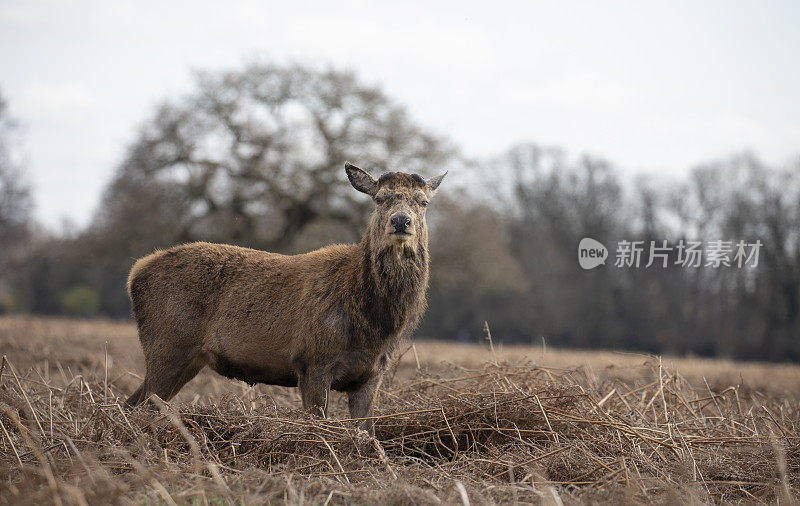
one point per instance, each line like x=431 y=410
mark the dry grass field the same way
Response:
x=456 y=424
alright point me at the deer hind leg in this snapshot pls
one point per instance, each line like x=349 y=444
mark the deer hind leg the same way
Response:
x=138 y=396
x=166 y=375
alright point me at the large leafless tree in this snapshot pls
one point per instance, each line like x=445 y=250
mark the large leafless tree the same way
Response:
x=255 y=156
x=15 y=201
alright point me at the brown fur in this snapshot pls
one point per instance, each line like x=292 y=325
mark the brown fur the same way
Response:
x=325 y=319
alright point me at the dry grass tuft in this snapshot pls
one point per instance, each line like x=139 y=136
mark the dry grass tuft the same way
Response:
x=502 y=432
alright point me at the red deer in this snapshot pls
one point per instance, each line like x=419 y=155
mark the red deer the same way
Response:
x=328 y=319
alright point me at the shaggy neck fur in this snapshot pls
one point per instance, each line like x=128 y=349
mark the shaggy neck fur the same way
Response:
x=393 y=281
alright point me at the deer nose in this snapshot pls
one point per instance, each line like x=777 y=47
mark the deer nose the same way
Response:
x=401 y=222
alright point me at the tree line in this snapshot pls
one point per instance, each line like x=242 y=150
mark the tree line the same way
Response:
x=254 y=157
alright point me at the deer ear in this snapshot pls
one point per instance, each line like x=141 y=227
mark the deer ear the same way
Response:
x=434 y=182
x=360 y=180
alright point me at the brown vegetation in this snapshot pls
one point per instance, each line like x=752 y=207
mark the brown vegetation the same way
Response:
x=542 y=428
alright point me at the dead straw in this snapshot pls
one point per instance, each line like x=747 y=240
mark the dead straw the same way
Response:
x=483 y=434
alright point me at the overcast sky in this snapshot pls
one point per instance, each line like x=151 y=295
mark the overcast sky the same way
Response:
x=649 y=86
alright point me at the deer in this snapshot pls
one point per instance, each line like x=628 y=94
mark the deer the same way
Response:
x=325 y=320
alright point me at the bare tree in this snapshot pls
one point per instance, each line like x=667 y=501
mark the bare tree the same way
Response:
x=15 y=213
x=15 y=201
x=557 y=202
x=254 y=156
